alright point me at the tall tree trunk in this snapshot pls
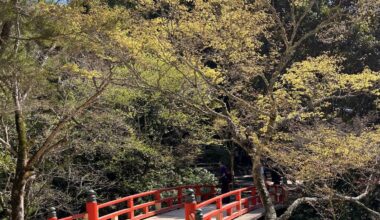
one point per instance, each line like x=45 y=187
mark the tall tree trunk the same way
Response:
x=18 y=197
x=21 y=174
x=259 y=181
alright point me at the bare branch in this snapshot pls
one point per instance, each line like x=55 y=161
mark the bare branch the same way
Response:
x=289 y=211
x=45 y=37
x=319 y=27
x=266 y=82
x=53 y=146
x=355 y=200
x=95 y=83
x=18 y=31
x=279 y=23
x=360 y=204
x=298 y=23
x=292 y=12
x=6 y=135
x=44 y=56
x=8 y=146
x=25 y=95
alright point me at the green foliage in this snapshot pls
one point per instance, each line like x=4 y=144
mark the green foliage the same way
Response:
x=168 y=177
x=186 y=74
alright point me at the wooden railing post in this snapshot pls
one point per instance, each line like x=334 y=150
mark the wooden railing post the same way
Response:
x=52 y=214
x=157 y=197
x=198 y=194
x=277 y=193
x=146 y=209
x=283 y=195
x=229 y=210
x=253 y=194
x=238 y=198
x=219 y=205
x=213 y=191
x=190 y=204
x=131 y=214
x=92 y=206
x=246 y=203
x=179 y=195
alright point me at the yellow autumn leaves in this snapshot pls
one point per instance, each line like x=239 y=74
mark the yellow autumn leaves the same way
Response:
x=326 y=153
x=322 y=76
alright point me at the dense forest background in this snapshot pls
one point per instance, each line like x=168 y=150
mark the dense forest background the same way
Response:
x=123 y=96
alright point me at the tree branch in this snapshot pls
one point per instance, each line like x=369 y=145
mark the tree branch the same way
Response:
x=204 y=109
x=320 y=26
x=8 y=146
x=298 y=23
x=289 y=211
x=279 y=23
x=222 y=89
x=53 y=146
x=46 y=146
x=371 y=211
x=355 y=200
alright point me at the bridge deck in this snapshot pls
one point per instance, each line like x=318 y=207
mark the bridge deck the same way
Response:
x=180 y=214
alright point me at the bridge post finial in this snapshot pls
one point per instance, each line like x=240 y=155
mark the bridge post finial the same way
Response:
x=198 y=214
x=52 y=214
x=190 y=196
x=91 y=196
x=92 y=205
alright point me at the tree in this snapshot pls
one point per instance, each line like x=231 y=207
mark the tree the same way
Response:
x=243 y=64
x=56 y=60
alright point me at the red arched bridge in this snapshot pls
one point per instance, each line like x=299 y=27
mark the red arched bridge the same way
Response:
x=194 y=202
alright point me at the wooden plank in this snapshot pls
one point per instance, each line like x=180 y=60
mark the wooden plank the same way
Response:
x=255 y=214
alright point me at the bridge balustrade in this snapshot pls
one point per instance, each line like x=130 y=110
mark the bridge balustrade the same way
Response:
x=154 y=202
x=245 y=200
x=193 y=198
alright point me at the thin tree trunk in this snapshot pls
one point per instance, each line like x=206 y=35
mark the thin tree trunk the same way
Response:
x=259 y=181
x=232 y=164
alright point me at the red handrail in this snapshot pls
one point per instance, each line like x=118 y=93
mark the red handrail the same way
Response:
x=170 y=203
x=74 y=217
x=240 y=206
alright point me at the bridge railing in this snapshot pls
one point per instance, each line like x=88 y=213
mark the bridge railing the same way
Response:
x=154 y=202
x=245 y=200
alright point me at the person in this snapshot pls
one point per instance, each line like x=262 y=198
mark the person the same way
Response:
x=264 y=170
x=223 y=169
x=225 y=180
